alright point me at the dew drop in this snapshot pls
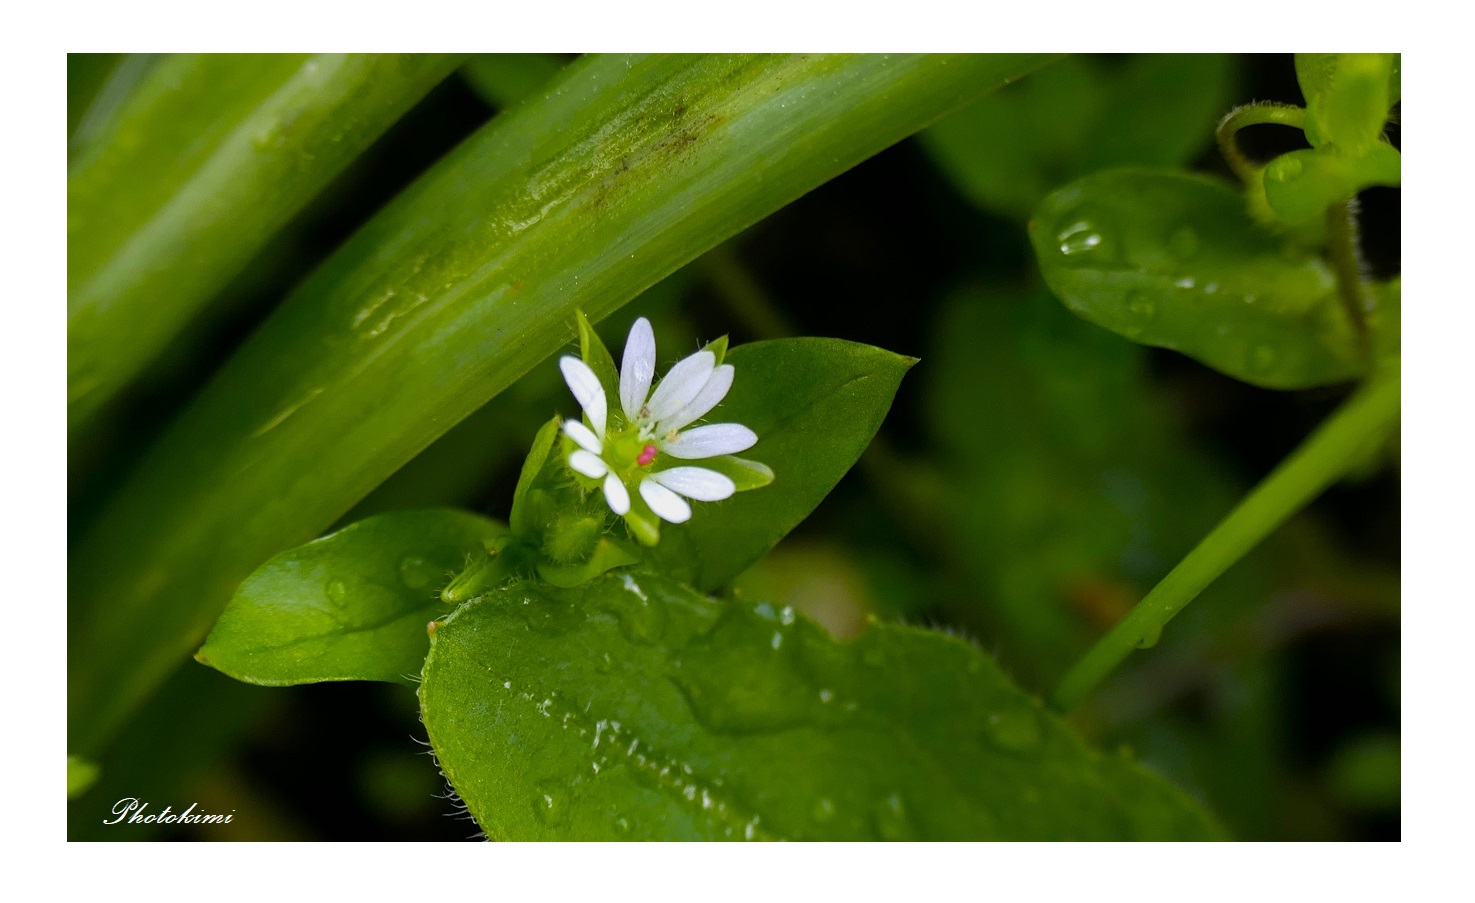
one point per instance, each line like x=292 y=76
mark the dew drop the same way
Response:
x=891 y=819
x=1014 y=731
x=550 y=803
x=1079 y=238
x=642 y=621
x=337 y=591
x=549 y=616
x=1141 y=312
x=622 y=825
x=415 y=572
x=823 y=810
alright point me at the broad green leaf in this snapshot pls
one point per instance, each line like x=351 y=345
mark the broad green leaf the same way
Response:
x=201 y=163
x=1173 y=260
x=1078 y=115
x=81 y=774
x=1348 y=96
x=626 y=168
x=1301 y=185
x=350 y=606
x=634 y=708
x=815 y=404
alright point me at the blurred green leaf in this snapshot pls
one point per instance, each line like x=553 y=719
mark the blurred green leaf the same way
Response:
x=1076 y=116
x=504 y=79
x=204 y=159
x=635 y=708
x=815 y=405
x=350 y=606
x=1367 y=773
x=1173 y=260
x=81 y=775
x=1070 y=488
x=1348 y=96
x=627 y=168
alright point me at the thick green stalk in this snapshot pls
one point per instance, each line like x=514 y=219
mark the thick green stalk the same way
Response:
x=621 y=171
x=1337 y=446
x=179 y=182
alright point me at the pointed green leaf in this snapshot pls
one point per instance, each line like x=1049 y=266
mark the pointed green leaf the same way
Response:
x=815 y=404
x=1173 y=260
x=634 y=708
x=521 y=520
x=194 y=171
x=350 y=606
x=594 y=353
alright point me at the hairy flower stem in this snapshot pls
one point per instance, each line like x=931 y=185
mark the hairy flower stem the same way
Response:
x=1346 y=258
x=1337 y=446
x=1252 y=114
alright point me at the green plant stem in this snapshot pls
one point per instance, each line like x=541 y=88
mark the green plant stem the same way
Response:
x=1336 y=447
x=1346 y=258
x=1252 y=114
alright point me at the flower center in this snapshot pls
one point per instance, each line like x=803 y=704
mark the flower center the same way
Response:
x=646 y=456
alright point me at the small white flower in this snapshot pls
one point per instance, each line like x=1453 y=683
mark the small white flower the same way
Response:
x=625 y=449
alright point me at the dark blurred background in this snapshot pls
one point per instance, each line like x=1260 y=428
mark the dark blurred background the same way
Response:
x=1035 y=476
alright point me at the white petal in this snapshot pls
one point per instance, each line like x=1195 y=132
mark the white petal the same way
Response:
x=710 y=441
x=587 y=464
x=670 y=506
x=696 y=483
x=682 y=385
x=637 y=367
x=617 y=495
x=711 y=395
x=582 y=435
x=586 y=388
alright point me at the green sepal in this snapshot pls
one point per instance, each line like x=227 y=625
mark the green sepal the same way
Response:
x=744 y=474
x=608 y=555
x=592 y=349
x=718 y=347
x=644 y=524
x=521 y=519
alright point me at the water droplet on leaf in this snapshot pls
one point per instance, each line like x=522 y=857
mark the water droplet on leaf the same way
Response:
x=1015 y=730
x=415 y=572
x=823 y=811
x=892 y=822
x=550 y=803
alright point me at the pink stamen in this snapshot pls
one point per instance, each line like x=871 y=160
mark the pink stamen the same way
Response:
x=646 y=456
